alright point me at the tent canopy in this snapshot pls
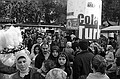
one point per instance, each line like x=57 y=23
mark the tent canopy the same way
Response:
x=112 y=28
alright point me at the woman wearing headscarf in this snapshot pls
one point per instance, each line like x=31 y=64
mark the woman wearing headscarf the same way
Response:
x=23 y=65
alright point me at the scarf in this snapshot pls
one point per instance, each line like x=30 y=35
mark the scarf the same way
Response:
x=28 y=62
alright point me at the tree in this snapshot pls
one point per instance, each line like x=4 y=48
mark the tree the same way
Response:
x=33 y=11
x=111 y=10
x=54 y=12
x=25 y=12
x=4 y=9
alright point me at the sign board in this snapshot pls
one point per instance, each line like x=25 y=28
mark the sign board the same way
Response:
x=87 y=14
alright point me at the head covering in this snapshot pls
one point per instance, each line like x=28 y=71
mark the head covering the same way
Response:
x=69 y=44
x=56 y=73
x=24 y=54
x=109 y=47
x=55 y=48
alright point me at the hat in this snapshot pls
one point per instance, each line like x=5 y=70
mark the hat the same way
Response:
x=69 y=44
x=55 y=48
x=83 y=44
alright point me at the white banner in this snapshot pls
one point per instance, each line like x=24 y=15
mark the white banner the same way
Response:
x=87 y=13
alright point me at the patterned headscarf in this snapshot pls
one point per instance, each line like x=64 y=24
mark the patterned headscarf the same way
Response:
x=56 y=73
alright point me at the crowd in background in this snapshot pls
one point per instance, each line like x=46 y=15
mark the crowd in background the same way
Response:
x=67 y=55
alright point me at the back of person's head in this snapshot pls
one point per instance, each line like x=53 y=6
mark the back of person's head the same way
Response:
x=56 y=73
x=109 y=47
x=99 y=64
x=49 y=64
x=83 y=44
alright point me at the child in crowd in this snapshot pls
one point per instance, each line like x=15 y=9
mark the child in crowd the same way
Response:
x=99 y=67
x=54 y=54
x=64 y=64
x=47 y=65
x=109 y=55
x=70 y=52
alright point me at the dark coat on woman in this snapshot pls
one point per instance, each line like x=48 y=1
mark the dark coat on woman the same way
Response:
x=39 y=60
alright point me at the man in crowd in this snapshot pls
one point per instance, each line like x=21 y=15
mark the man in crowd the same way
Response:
x=81 y=64
x=117 y=55
x=43 y=55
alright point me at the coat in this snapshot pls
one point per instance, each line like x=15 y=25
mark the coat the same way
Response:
x=81 y=64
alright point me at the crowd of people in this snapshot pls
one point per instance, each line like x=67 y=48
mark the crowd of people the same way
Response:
x=64 y=56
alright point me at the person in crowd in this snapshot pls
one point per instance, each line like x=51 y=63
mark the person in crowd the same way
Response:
x=45 y=41
x=109 y=55
x=56 y=73
x=68 y=37
x=72 y=36
x=29 y=42
x=47 y=65
x=23 y=65
x=62 y=43
x=70 y=52
x=54 y=54
x=78 y=50
x=44 y=55
x=37 y=50
x=112 y=42
x=81 y=63
x=117 y=57
x=98 y=65
x=39 y=42
x=54 y=41
x=74 y=44
x=64 y=64
x=93 y=48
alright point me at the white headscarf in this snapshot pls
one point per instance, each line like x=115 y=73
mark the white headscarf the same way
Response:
x=28 y=62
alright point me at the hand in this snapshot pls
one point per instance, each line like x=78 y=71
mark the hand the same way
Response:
x=39 y=70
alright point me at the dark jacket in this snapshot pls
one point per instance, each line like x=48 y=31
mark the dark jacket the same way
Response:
x=39 y=60
x=81 y=64
x=6 y=70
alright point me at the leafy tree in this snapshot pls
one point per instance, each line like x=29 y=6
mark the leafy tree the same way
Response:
x=4 y=9
x=33 y=11
x=25 y=12
x=54 y=12
x=111 y=10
